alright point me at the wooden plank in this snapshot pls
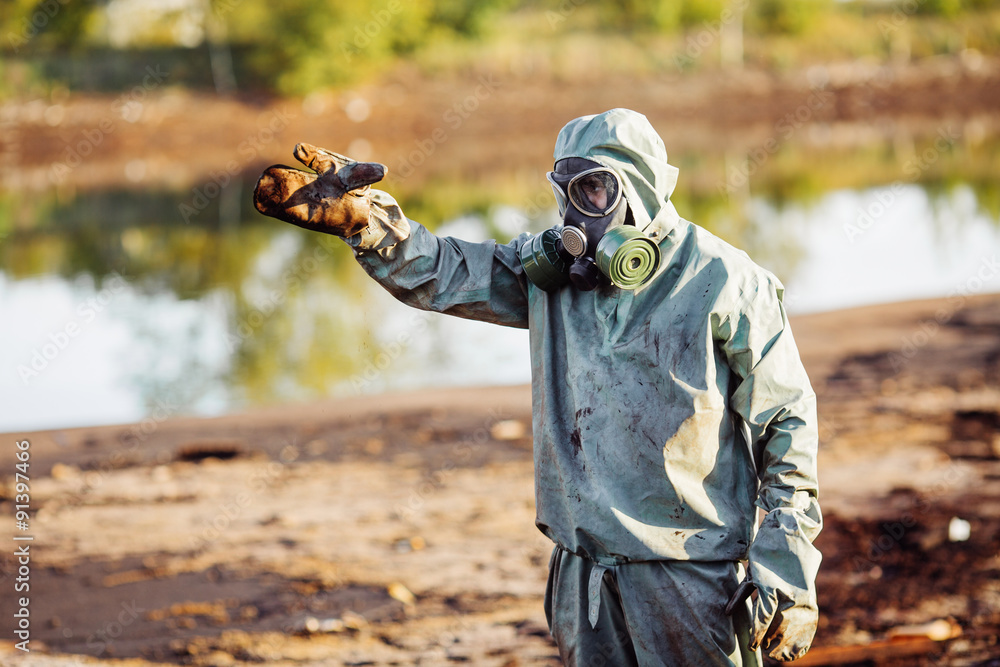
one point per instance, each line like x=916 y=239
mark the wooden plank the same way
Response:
x=818 y=656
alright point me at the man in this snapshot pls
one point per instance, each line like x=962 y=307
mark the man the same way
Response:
x=669 y=399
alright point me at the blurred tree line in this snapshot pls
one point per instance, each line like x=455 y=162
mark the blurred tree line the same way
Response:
x=296 y=46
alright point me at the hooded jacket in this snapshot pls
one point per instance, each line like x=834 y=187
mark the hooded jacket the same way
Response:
x=662 y=417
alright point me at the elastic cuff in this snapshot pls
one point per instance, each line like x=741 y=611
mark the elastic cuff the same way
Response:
x=387 y=225
x=368 y=238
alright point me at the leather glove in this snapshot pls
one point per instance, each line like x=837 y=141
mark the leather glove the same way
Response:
x=334 y=200
x=783 y=567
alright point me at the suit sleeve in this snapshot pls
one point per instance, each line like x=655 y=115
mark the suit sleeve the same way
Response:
x=777 y=405
x=479 y=281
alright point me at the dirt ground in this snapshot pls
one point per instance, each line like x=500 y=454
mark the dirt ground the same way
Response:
x=398 y=530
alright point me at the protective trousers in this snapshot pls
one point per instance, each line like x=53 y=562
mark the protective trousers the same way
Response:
x=647 y=613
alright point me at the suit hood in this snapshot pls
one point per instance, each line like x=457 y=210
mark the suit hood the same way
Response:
x=625 y=141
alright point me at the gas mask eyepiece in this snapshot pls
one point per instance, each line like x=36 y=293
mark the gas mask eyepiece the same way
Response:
x=594 y=244
x=588 y=200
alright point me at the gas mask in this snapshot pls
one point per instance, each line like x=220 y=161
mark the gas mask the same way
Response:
x=597 y=243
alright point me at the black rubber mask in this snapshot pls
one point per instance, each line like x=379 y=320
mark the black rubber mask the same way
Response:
x=591 y=202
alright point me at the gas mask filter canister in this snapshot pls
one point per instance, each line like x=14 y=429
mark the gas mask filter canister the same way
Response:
x=595 y=244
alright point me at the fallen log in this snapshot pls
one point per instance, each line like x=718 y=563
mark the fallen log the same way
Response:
x=819 y=656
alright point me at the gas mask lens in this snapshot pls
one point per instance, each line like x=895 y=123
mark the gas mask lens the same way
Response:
x=595 y=192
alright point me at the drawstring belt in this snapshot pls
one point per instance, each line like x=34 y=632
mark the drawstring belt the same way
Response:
x=594 y=593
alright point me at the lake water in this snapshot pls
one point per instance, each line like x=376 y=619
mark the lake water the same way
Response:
x=112 y=313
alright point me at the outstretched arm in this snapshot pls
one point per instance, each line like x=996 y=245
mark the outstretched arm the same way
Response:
x=482 y=281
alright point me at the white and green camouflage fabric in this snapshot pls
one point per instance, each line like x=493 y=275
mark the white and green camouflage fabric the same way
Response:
x=664 y=416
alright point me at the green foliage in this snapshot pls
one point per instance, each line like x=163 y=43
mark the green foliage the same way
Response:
x=310 y=44
x=637 y=14
x=700 y=12
x=31 y=26
x=299 y=46
x=661 y=15
x=469 y=19
x=791 y=17
x=945 y=8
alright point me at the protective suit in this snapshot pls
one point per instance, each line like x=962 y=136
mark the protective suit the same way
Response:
x=664 y=416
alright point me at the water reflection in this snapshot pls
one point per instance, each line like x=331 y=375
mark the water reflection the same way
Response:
x=116 y=309
x=848 y=249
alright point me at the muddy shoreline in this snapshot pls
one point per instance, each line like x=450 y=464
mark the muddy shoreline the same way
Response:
x=399 y=530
